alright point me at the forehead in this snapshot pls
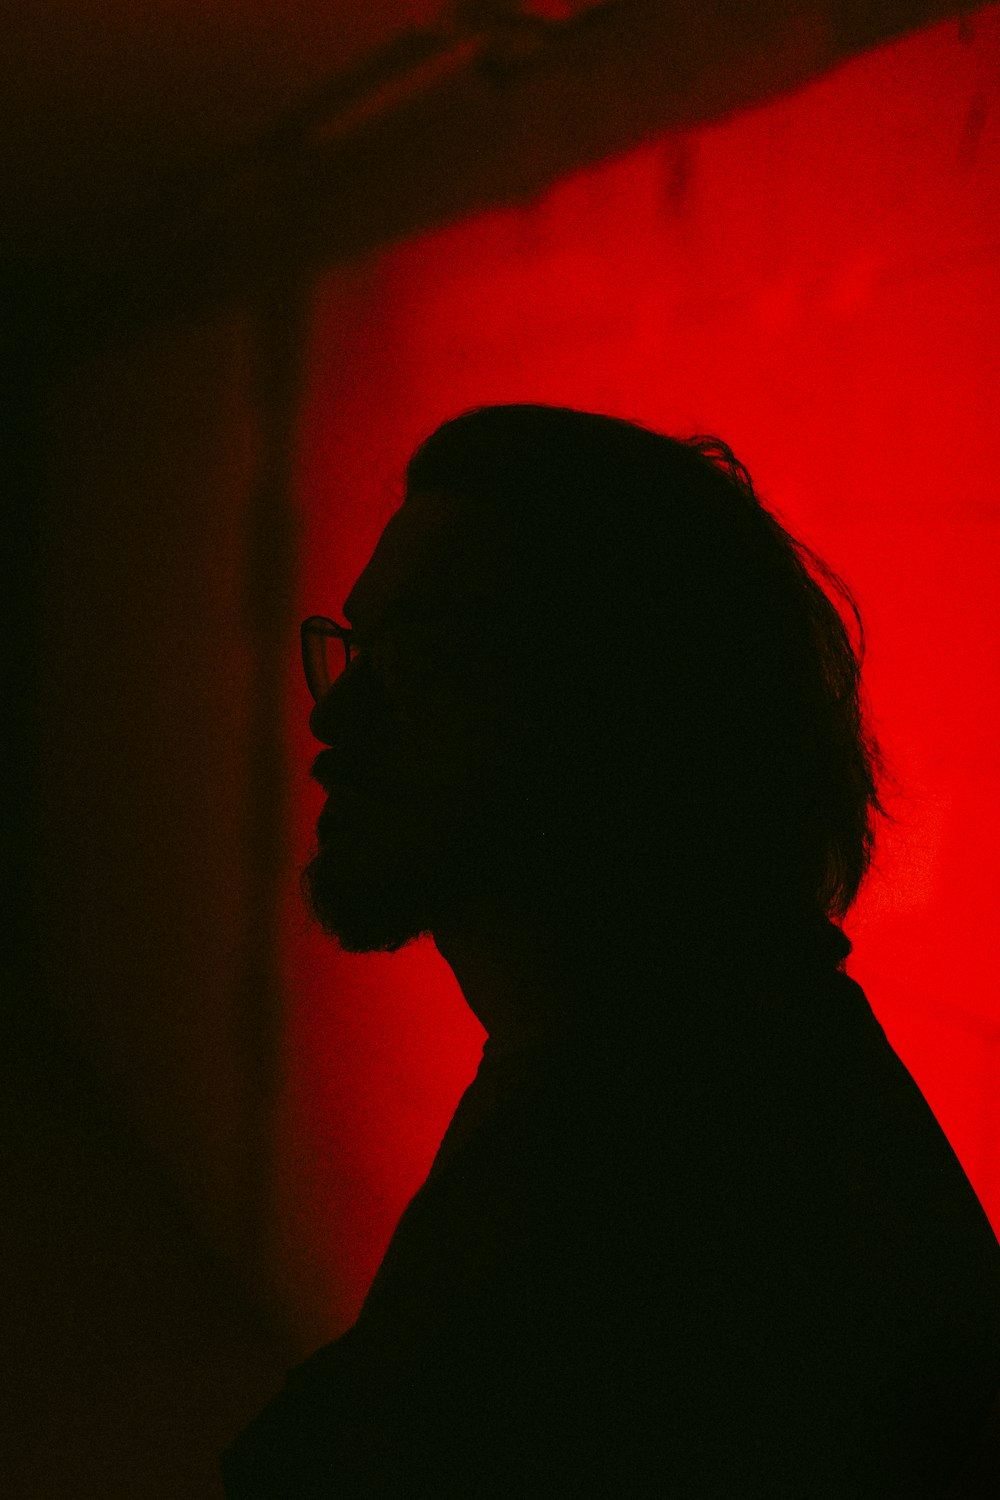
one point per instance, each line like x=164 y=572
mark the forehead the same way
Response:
x=435 y=556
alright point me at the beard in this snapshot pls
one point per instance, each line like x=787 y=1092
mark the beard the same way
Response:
x=370 y=899
x=383 y=874
x=364 y=916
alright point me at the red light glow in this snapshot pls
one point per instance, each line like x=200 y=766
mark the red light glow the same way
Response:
x=815 y=281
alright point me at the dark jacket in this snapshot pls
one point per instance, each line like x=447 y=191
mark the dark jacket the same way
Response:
x=729 y=1255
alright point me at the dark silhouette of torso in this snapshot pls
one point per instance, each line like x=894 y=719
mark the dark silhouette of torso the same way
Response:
x=711 y=1245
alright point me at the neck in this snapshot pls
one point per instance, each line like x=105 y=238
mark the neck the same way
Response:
x=515 y=987
x=524 y=988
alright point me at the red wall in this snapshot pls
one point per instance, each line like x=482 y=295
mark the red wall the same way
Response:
x=815 y=281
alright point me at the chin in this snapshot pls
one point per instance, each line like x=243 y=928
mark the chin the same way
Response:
x=365 y=913
x=376 y=885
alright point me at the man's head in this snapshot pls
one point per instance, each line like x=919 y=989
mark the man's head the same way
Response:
x=424 y=729
x=599 y=691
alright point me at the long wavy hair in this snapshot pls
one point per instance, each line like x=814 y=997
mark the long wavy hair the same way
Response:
x=701 y=738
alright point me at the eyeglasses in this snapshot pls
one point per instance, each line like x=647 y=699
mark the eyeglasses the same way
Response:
x=327 y=650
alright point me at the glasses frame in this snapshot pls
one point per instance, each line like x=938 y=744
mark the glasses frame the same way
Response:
x=315 y=632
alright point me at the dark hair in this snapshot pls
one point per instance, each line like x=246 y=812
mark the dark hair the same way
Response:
x=696 y=678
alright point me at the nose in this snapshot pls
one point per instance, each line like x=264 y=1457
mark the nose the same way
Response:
x=352 y=709
x=323 y=715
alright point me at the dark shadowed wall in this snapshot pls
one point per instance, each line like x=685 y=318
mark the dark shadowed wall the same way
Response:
x=131 y=1088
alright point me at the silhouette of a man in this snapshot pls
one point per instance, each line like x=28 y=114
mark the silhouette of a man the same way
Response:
x=597 y=727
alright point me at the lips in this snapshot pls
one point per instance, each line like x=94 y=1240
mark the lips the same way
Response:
x=334 y=777
x=340 y=796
